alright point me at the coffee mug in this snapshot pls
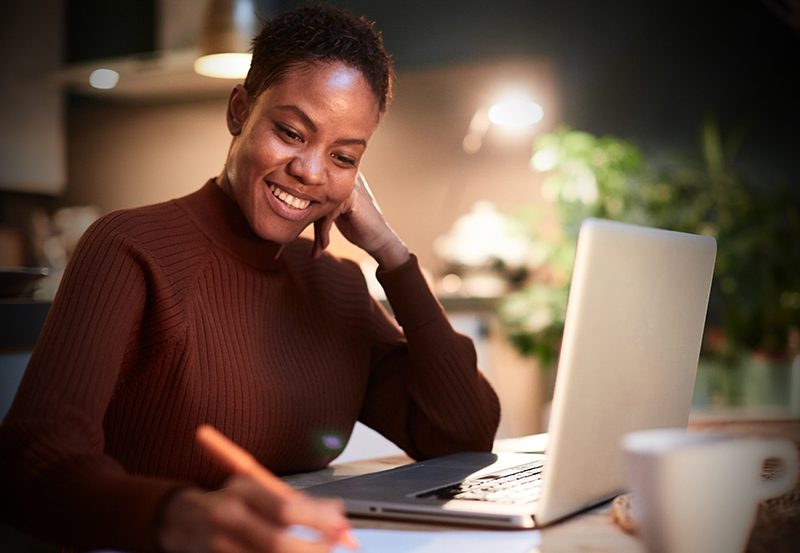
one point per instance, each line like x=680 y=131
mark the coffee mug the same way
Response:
x=698 y=492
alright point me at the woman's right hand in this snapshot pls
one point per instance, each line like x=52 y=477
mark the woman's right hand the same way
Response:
x=243 y=516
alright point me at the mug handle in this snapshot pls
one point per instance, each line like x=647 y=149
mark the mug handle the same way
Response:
x=786 y=451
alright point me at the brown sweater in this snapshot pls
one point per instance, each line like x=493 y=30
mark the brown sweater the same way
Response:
x=177 y=314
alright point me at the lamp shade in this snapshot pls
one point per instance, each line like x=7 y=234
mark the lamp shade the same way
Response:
x=228 y=29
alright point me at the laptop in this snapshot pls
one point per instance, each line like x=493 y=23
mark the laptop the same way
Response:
x=633 y=329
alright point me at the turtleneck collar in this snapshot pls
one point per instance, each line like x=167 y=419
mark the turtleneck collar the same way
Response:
x=221 y=219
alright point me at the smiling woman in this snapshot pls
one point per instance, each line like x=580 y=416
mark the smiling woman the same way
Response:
x=296 y=147
x=209 y=309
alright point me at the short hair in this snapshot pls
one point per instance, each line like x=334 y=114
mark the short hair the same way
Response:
x=318 y=34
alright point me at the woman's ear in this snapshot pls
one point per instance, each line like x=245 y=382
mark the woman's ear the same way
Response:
x=238 y=109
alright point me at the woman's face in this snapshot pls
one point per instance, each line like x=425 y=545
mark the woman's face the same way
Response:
x=296 y=149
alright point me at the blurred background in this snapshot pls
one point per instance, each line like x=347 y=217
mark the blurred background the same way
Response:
x=678 y=114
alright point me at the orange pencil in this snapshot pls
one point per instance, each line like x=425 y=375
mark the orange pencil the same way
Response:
x=241 y=462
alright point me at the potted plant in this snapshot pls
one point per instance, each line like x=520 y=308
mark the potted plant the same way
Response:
x=755 y=306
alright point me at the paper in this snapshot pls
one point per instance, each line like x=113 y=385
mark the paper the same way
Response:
x=402 y=541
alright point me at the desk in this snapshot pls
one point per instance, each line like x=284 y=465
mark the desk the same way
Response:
x=592 y=531
x=777 y=525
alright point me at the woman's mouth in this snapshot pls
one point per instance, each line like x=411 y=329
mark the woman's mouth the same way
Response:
x=286 y=205
x=288 y=199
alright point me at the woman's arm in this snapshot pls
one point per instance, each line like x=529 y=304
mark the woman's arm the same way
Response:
x=55 y=479
x=426 y=393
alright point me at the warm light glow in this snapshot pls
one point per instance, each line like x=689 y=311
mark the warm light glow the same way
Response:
x=223 y=66
x=477 y=130
x=451 y=283
x=104 y=79
x=545 y=160
x=516 y=113
x=514 y=110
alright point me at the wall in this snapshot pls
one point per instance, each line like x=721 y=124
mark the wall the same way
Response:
x=31 y=107
x=123 y=155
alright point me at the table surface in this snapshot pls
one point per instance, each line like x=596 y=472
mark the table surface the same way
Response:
x=591 y=531
x=594 y=530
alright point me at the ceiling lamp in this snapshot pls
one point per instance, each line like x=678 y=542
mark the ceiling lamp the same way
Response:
x=228 y=29
x=104 y=79
x=515 y=111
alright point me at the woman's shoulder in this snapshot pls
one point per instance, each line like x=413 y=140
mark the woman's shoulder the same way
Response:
x=144 y=220
x=151 y=232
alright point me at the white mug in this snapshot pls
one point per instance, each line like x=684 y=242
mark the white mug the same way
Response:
x=699 y=492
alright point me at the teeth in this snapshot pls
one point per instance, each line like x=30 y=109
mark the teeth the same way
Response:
x=288 y=199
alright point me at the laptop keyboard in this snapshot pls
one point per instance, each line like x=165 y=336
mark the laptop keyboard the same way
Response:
x=517 y=486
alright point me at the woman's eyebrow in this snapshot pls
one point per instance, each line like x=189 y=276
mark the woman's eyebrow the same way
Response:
x=301 y=114
x=348 y=141
x=311 y=125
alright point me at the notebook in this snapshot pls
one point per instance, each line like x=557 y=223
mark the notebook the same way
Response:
x=633 y=329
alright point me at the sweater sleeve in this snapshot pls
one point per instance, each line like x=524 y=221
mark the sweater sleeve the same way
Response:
x=55 y=480
x=426 y=393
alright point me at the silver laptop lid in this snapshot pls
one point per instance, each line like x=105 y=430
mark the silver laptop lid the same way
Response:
x=634 y=326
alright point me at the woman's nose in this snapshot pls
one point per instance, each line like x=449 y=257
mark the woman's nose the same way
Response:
x=308 y=167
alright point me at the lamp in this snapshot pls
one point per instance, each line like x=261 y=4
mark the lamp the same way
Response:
x=228 y=28
x=513 y=111
x=104 y=79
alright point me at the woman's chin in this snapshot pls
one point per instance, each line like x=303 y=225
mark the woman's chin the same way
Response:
x=280 y=232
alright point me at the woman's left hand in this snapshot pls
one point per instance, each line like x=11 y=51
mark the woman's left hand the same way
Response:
x=360 y=220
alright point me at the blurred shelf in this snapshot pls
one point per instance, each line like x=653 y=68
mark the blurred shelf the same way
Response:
x=151 y=77
x=468 y=304
x=744 y=414
x=461 y=304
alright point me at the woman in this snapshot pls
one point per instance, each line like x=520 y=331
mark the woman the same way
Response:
x=209 y=309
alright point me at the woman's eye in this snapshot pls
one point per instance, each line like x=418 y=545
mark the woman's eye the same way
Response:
x=289 y=133
x=344 y=159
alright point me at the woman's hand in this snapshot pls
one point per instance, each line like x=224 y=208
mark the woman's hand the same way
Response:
x=360 y=220
x=243 y=517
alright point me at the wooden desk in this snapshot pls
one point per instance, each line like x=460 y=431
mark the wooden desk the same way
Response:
x=592 y=531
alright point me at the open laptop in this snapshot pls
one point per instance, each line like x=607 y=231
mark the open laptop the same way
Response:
x=632 y=336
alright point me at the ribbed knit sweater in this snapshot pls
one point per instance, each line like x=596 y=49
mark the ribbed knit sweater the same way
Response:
x=178 y=314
